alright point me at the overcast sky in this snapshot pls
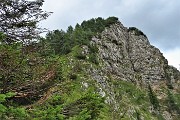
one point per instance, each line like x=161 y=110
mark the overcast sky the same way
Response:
x=158 y=19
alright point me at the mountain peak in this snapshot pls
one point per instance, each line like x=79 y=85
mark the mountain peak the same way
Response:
x=128 y=50
x=97 y=70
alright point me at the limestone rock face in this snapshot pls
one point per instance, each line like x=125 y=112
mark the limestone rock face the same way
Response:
x=125 y=54
x=130 y=57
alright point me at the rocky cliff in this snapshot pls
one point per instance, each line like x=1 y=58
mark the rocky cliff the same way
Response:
x=130 y=57
x=125 y=54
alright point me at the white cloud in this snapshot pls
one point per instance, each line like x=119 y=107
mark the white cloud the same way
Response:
x=173 y=57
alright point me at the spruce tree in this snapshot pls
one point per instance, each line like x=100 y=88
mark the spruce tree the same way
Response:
x=19 y=19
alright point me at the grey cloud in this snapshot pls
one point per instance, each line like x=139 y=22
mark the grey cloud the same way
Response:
x=159 y=20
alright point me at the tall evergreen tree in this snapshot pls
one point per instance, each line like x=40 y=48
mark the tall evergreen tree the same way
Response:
x=19 y=19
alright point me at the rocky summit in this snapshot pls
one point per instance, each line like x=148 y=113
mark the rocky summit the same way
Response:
x=125 y=54
x=99 y=70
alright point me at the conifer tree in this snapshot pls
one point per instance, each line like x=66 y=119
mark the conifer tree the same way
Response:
x=19 y=19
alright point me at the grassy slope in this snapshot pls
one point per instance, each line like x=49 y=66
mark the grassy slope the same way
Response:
x=70 y=99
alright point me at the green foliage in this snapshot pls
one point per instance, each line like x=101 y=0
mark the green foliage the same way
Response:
x=3 y=97
x=19 y=19
x=18 y=67
x=131 y=97
x=73 y=76
x=51 y=110
x=128 y=89
x=12 y=68
x=80 y=56
x=9 y=112
x=75 y=96
x=77 y=52
x=58 y=41
x=70 y=100
x=2 y=37
x=77 y=106
x=137 y=31
x=62 y=42
x=93 y=58
x=24 y=66
x=44 y=48
x=138 y=115
x=172 y=104
x=88 y=106
x=111 y=20
x=18 y=113
x=153 y=99
x=177 y=99
x=93 y=49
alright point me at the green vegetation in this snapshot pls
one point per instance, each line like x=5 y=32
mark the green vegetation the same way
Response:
x=30 y=64
x=153 y=99
x=10 y=112
x=62 y=42
x=173 y=103
x=132 y=98
x=19 y=20
x=136 y=31
x=50 y=78
x=76 y=106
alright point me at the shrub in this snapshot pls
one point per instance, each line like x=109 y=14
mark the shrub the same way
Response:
x=93 y=49
x=136 y=31
x=80 y=56
x=111 y=20
x=73 y=76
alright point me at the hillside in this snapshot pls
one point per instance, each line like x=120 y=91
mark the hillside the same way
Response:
x=99 y=70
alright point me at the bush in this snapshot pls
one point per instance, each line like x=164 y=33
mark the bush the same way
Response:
x=136 y=31
x=7 y=111
x=73 y=76
x=111 y=20
x=93 y=49
x=80 y=56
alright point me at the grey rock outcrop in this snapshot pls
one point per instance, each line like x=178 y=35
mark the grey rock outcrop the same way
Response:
x=126 y=54
x=131 y=57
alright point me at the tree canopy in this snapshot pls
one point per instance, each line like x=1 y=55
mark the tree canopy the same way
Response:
x=63 y=41
x=19 y=19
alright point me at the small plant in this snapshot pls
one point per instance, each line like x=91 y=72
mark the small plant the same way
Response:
x=93 y=49
x=78 y=53
x=136 y=31
x=73 y=76
x=80 y=56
